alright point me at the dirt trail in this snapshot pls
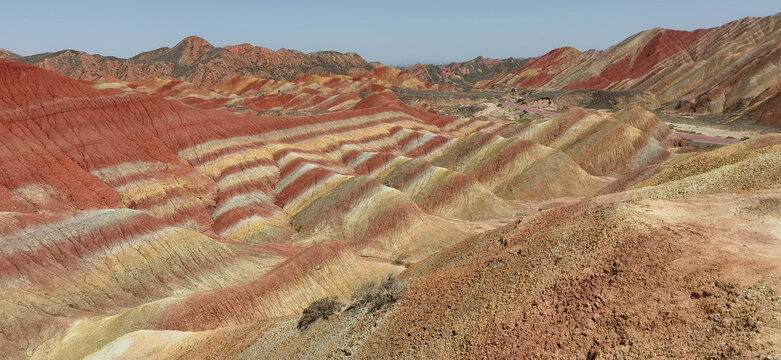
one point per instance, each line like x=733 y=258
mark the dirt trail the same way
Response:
x=530 y=109
x=705 y=139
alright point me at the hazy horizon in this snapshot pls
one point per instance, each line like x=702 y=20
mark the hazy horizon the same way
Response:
x=401 y=33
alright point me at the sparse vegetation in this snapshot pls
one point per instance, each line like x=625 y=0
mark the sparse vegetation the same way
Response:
x=406 y=264
x=320 y=309
x=519 y=119
x=592 y=355
x=371 y=295
x=688 y=132
x=374 y=296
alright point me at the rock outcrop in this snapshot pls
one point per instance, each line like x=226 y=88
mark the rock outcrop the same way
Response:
x=196 y=60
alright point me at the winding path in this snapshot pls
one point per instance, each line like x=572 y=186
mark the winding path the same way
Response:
x=530 y=109
x=706 y=139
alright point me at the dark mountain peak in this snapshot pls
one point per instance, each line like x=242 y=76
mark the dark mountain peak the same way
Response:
x=194 y=42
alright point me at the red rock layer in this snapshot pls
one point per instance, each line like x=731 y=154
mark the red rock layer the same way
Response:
x=135 y=208
x=726 y=69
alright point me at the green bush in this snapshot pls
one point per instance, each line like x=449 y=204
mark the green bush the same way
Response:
x=320 y=309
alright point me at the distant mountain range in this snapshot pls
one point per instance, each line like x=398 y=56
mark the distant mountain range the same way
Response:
x=196 y=60
x=464 y=75
x=728 y=69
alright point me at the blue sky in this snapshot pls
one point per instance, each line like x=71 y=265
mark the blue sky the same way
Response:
x=394 y=32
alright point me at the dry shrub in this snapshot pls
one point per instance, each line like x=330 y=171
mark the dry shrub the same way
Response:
x=319 y=309
x=373 y=295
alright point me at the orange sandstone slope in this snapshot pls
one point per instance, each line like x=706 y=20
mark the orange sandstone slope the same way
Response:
x=305 y=94
x=732 y=68
x=124 y=212
x=685 y=265
x=243 y=177
x=130 y=215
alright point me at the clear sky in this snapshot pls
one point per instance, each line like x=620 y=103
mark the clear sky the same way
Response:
x=395 y=32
